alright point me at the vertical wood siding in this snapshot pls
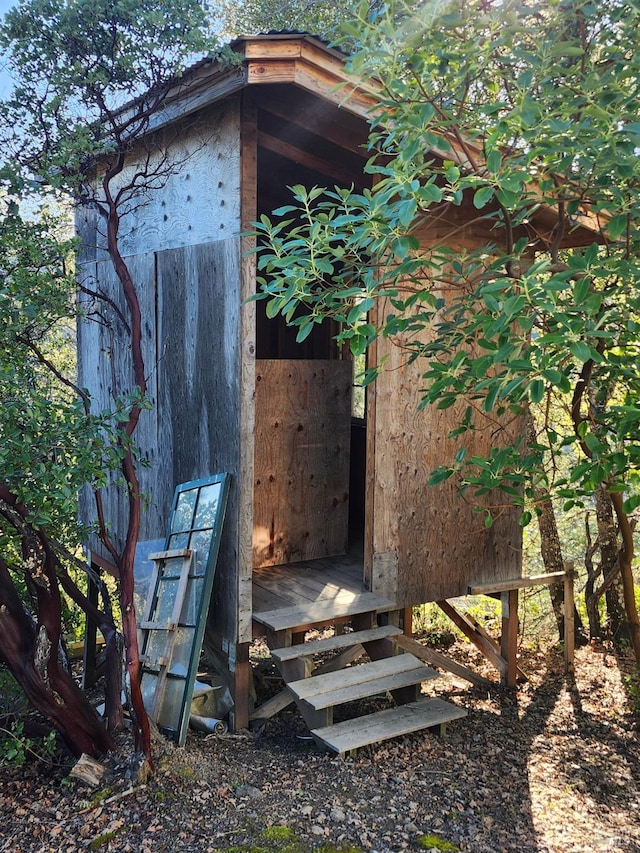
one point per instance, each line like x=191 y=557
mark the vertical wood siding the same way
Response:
x=427 y=540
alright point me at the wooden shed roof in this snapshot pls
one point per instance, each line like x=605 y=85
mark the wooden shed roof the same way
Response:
x=309 y=64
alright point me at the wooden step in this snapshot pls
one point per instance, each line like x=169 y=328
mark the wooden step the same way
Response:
x=322 y=612
x=392 y=722
x=332 y=644
x=358 y=682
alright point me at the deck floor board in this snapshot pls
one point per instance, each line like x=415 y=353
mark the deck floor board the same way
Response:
x=298 y=584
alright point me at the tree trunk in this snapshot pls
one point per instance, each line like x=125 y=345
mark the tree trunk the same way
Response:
x=608 y=542
x=551 y=552
x=626 y=572
x=30 y=651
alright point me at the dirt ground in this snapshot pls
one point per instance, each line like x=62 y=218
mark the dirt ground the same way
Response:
x=552 y=768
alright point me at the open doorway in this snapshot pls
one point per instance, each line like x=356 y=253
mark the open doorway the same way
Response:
x=310 y=439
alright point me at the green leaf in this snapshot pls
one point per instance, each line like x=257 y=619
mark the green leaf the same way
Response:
x=482 y=197
x=580 y=350
x=536 y=390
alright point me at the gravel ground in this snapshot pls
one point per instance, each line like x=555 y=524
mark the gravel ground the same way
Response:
x=551 y=768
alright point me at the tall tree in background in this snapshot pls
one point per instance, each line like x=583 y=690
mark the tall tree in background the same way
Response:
x=528 y=115
x=90 y=77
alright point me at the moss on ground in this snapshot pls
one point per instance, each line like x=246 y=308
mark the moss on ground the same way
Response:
x=282 y=839
x=434 y=842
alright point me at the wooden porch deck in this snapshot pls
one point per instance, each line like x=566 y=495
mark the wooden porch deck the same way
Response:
x=336 y=579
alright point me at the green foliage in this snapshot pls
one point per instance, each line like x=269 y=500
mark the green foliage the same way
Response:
x=12 y=698
x=16 y=748
x=632 y=686
x=248 y=17
x=76 y=62
x=525 y=120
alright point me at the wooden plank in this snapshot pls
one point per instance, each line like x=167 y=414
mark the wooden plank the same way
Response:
x=478 y=637
x=273 y=705
x=169 y=555
x=307 y=585
x=340 y=661
x=302 y=438
x=569 y=623
x=331 y=683
x=389 y=723
x=330 y=644
x=516 y=583
x=367 y=679
x=435 y=658
x=297 y=617
x=509 y=637
x=147 y=625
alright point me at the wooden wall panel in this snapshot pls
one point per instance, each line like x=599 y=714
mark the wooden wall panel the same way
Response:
x=302 y=437
x=196 y=196
x=198 y=382
x=190 y=304
x=430 y=535
x=105 y=370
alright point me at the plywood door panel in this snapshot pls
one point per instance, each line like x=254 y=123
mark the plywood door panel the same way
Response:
x=301 y=492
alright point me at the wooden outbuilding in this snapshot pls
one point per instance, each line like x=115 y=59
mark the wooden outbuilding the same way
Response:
x=330 y=518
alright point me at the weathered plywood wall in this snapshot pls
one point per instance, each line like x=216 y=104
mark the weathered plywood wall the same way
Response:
x=182 y=243
x=425 y=542
x=190 y=305
x=303 y=422
x=194 y=197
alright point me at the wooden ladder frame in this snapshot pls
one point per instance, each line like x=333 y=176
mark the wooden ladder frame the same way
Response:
x=147 y=624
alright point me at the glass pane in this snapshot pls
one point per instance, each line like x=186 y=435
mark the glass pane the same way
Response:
x=178 y=540
x=201 y=542
x=166 y=599
x=156 y=645
x=169 y=715
x=182 y=652
x=172 y=568
x=183 y=516
x=148 y=688
x=143 y=571
x=207 y=506
x=191 y=606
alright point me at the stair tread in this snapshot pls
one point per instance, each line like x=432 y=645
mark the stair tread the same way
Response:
x=322 y=611
x=392 y=722
x=329 y=644
x=358 y=682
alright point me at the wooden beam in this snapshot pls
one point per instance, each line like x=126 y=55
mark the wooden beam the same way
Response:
x=509 y=639
x=240 y=672
x=515 y=583
x=477 y=635
x=569 y=624
x=273 y=706
x=304 y=158
x=431 y=656
x=302 y=110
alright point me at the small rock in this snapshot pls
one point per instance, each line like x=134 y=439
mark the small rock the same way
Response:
x=306 y=811
x=338 y=815
x=317 y=830
x=249 y=791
